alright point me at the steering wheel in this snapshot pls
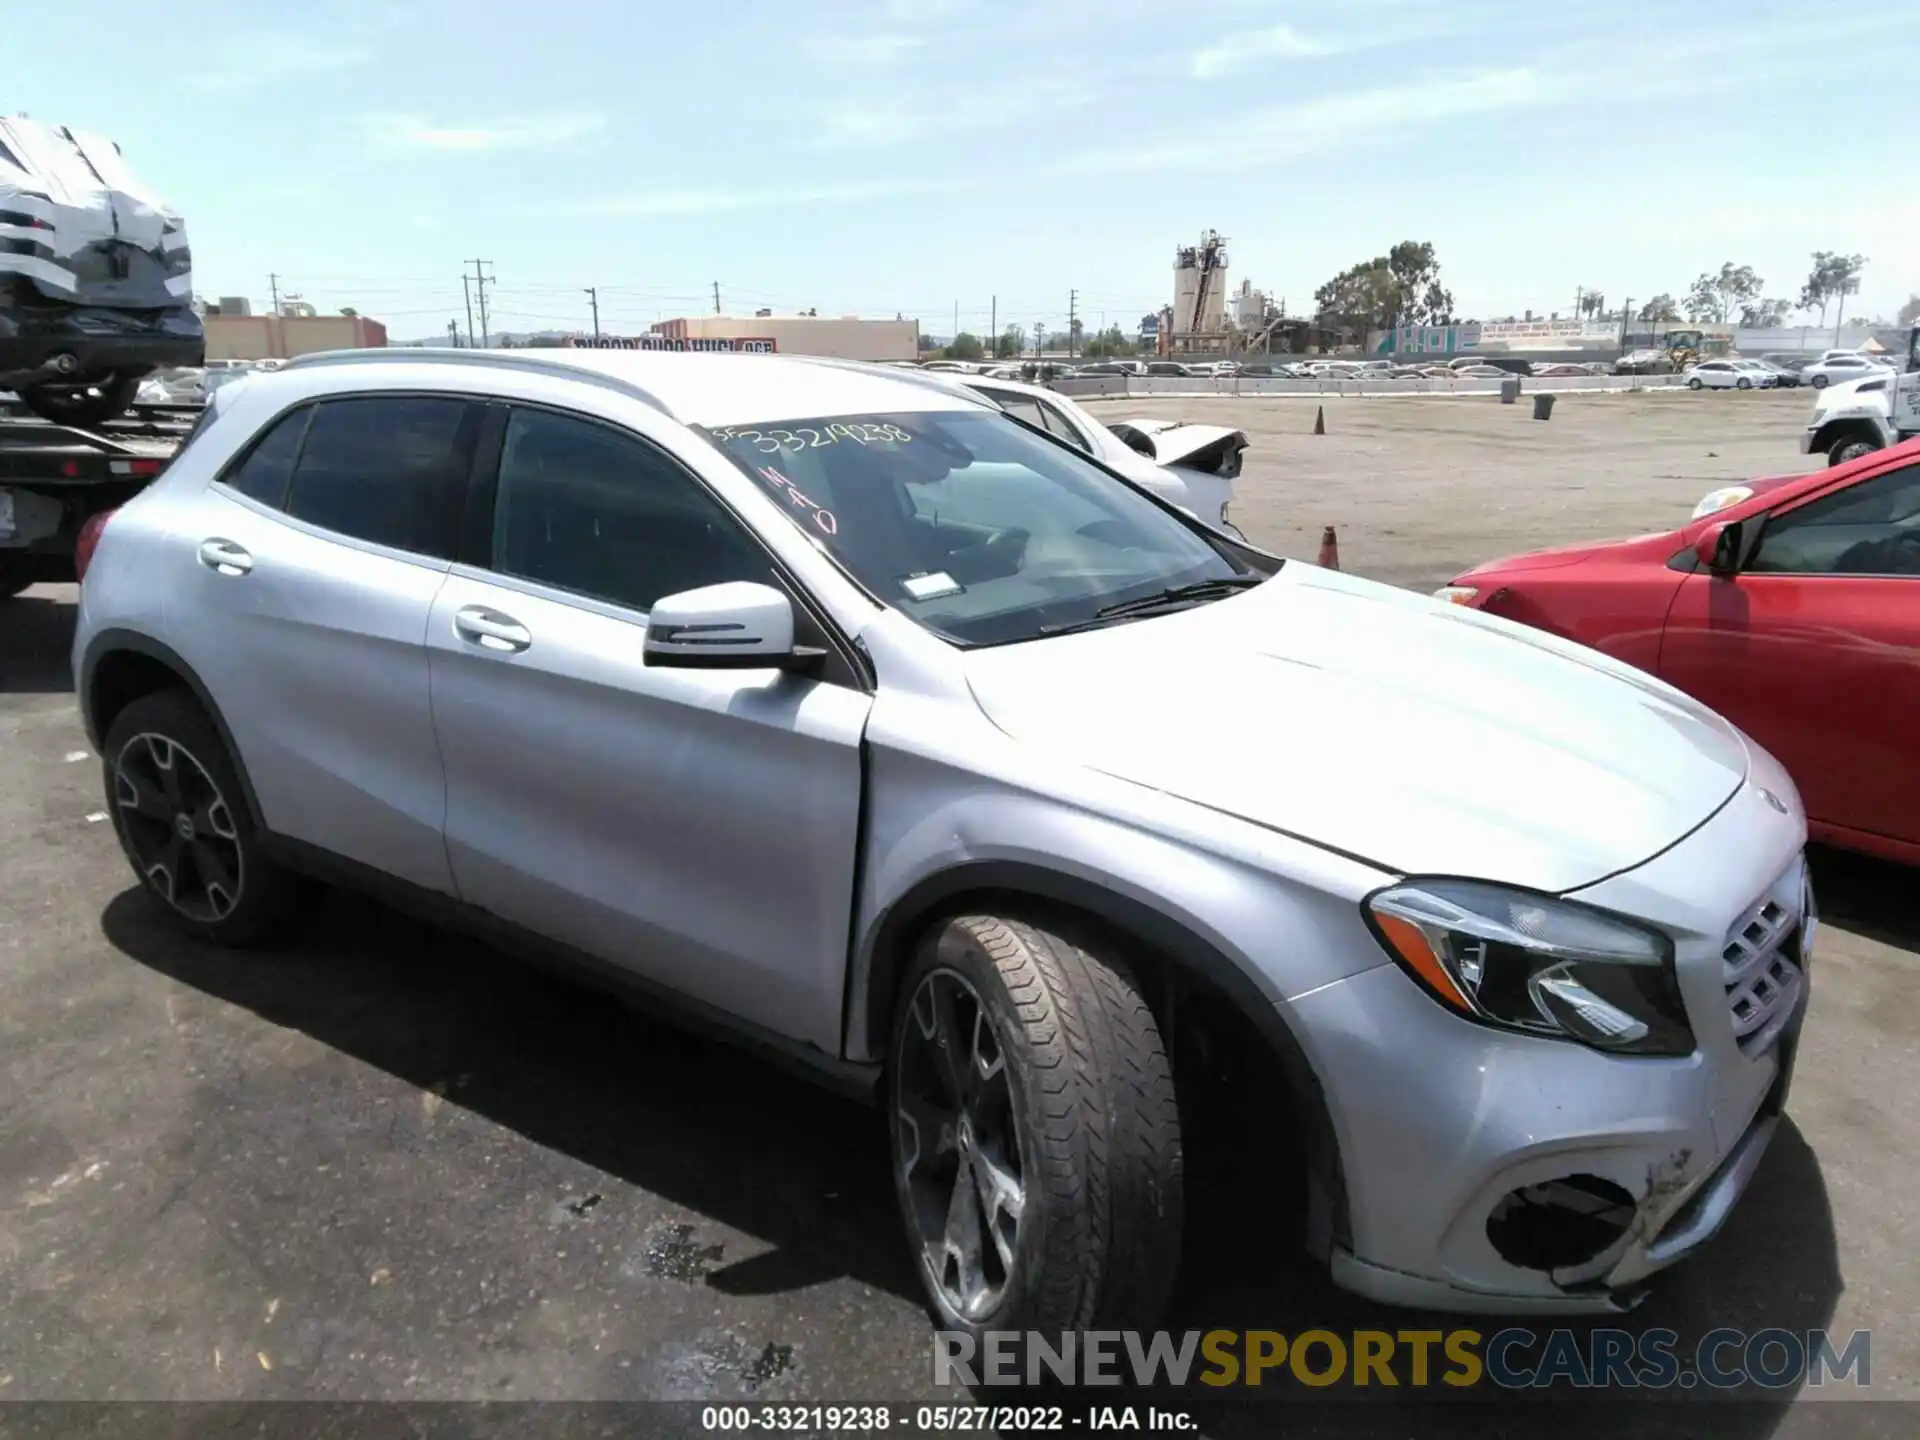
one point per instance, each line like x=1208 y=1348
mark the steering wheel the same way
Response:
x=1000 y=553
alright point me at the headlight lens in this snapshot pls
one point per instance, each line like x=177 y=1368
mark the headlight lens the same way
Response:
x=1457 y=594
x=1725 y=498
x=1535 y=964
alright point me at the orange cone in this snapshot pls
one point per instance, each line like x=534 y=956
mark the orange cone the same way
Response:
x=1329 y=550
x=1320 y=420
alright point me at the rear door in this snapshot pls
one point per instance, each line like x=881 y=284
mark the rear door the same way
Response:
x=310 y=566
x=1812 y=649
x=698 y=828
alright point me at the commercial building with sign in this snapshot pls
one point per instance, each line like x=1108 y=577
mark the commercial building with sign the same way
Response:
x=846 y=338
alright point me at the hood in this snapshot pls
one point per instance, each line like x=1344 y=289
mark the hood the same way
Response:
x=1847 y=393
x=1210 y=449
x=1421 y=737
x=99 y=237
x=1561 y=556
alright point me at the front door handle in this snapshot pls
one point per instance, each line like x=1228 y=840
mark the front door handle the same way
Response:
x=223 y=557
x=491 y=630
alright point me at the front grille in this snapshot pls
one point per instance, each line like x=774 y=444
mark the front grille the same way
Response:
x=1762 y=979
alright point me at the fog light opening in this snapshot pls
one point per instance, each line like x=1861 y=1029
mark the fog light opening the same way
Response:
x=1560 y=1225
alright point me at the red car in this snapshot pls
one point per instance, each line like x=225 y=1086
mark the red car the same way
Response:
x=1792 y=607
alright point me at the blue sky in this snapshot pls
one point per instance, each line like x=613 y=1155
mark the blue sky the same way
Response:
x=876 y=156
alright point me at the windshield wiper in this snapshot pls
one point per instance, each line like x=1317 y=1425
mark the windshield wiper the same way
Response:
x=1198 y=592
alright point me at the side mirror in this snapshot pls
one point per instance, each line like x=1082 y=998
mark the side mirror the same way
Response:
x=1722 y=548
x=736 y=626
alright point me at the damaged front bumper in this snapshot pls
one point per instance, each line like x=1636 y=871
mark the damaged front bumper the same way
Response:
x=1502 y=1173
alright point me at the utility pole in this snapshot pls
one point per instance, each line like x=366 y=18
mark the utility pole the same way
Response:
x=1039 y=338
x=273 y=285
x=956 y=321
x=1626 y=314
x=466 y=289
x=1073 y=301
x=993 y=327
x=1579 y=294
x=593 y=298
x=716 y=297
x=480 y=282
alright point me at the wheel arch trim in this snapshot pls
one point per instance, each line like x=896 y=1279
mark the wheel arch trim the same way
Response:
x=883 y=958
x=115 y=641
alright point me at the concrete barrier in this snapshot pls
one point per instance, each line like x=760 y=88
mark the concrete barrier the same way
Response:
x=1140 y=386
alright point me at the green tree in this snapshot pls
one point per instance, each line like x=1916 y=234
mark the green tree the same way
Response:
x=1717 y=297
x=1593 y=303
x=965 y=347
x=1765 y=314
x=1009 y=343
x=349 y=312
x=1833 y=277
x=1660 y=310
x=1909 y=312
x=1110 y=342
x=1401 y=287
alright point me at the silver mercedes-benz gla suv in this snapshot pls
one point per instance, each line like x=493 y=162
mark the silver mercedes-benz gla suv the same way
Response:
x=909 y=741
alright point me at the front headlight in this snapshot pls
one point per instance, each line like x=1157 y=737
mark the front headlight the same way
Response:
x=1537 y=965
x=1724 y=498
x=1457 y=594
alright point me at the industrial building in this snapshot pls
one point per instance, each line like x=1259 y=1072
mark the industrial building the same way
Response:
x=281 y=337
x=846 y=337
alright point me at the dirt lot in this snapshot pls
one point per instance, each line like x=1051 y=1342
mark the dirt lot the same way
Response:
x=1420 y=488
x=389 y=1164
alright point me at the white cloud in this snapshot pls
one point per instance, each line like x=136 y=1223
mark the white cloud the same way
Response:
x=410 y=132
x=720 y=200
x=260 y=61
x=1247 y=48
x=1290 y=131
x=871 y=123
x=865 y=52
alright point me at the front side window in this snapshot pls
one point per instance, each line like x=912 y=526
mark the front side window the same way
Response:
x=974 y=526
x=1870 y=528
x=587 y=508
x=390 y=469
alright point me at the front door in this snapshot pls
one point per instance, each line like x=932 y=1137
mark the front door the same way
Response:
x=1814 y=649
x=697 y=827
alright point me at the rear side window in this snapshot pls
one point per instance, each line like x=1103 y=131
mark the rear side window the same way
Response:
x=390 y=469
x=268 y=467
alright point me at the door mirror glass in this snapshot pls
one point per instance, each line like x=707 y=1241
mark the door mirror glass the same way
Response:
x=739 y=625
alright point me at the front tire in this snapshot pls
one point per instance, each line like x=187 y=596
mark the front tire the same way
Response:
x=1851 y=448
x=1819 y=382
x=180 y=812
x=1695 y=383
x=1036 y=1136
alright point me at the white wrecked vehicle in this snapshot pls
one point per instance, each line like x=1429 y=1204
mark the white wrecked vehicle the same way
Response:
x=1192 y=466
x=96 y=285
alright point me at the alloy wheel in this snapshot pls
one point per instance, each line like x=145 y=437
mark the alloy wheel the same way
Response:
x=178 y=828
x=959 y=1145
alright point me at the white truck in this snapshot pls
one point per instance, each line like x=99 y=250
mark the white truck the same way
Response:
x=1861 y=416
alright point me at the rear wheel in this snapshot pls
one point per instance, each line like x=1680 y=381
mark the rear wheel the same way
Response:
x=1850 y=448
x=1743 y=383
x=1036 y=1136
x=178 y=808
x=87 y=403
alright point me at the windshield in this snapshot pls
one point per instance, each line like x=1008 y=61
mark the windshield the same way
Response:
x=969 y=522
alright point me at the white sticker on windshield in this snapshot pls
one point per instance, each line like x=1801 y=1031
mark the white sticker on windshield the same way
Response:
x=931 y=587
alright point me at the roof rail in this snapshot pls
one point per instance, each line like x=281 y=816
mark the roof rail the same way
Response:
x=531 y=361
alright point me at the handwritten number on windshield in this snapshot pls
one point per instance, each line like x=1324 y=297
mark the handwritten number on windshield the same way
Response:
x=821 y=517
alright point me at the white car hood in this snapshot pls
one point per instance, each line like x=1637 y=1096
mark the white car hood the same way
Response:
x=1421 y=737
x=1175 y=440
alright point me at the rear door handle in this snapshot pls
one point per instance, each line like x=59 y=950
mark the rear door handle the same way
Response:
x=223 y=557
x=491 y=630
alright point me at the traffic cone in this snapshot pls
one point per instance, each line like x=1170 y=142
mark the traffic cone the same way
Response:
x=1329 y=550
x=1320 y=420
